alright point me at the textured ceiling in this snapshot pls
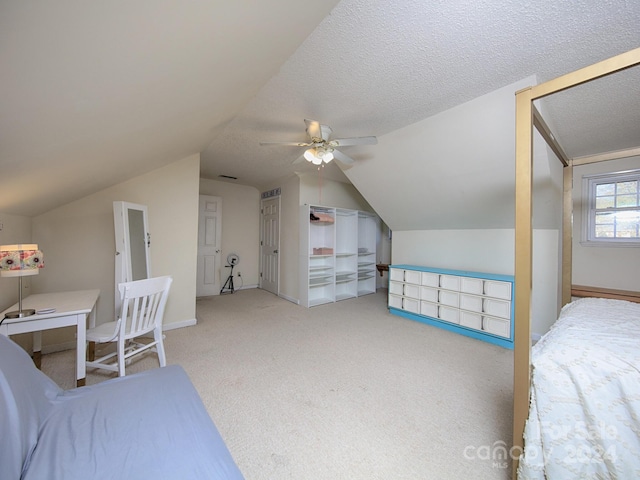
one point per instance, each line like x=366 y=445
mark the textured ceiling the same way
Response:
x=96 y=92
x=373 y=67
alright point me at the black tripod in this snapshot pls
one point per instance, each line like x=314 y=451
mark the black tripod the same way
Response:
x=229 y=283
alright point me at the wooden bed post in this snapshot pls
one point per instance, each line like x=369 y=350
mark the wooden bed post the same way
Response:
x=567 y=232
x=524 y=228
x=523 y=268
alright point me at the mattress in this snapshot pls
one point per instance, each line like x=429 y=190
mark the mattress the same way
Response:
x=584 y=416
x=151 y=425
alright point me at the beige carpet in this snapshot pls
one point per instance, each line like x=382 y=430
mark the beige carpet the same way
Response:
x=341 y=391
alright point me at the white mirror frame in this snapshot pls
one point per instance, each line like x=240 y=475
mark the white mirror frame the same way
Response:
x=132 y=260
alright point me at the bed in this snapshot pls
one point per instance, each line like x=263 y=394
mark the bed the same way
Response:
x=531 y=400
x=584 y=414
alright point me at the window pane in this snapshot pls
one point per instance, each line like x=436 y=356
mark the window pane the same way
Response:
x=626 y=230
x=613 y=215
x=627 y=200
x=605 y=189
x=628 y=224
x=627 y=187
x=604 y=231
x=605 y=202
x=605 y=218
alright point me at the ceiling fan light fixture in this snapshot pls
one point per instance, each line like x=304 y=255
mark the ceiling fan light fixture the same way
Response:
x=328 y=156
x=322 y=148
x=310 y=155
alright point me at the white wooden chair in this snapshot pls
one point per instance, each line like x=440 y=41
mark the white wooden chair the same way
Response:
x=143 y=303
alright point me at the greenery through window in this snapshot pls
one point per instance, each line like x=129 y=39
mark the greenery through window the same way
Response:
x=614 y=208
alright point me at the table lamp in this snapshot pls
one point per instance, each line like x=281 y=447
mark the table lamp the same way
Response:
x=19 y=261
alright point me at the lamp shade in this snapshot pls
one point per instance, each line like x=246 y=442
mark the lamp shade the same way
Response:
x=20 y=260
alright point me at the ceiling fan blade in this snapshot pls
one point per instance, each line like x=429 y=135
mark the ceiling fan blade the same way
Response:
x=314 y=130
x=292 y=144
x=341 y=157
x=300 y=159
x=345 y=142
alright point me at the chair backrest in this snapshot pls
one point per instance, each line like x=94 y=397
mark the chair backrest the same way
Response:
x=143 y=303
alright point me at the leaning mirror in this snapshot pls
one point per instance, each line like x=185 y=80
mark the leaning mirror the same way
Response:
x=132 y=243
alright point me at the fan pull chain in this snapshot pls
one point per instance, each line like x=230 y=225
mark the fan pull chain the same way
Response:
x=320 y=184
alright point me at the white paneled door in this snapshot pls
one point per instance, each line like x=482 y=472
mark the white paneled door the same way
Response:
x=209 y=241
x=270 y=244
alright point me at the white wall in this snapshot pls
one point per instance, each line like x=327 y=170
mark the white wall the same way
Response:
x=79 y=247
x=608 y=267
x=240 y=228
x=446 y=186
x=490 y=251
x=454 y=170
x=329 y=193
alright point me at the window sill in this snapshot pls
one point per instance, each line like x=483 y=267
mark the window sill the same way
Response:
x=609 y=243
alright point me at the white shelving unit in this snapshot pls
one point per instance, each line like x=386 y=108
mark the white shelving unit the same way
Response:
x=367 y=233
x=338 y=254
x=346 y=254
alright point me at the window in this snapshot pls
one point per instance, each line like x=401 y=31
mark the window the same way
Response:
x=613 y=208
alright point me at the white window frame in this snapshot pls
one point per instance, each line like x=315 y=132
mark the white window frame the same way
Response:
x=589 y=184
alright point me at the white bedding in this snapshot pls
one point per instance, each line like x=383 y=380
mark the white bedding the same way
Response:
x=584 y=416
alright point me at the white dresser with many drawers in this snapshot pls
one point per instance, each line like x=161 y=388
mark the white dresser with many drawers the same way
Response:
x=479 y=305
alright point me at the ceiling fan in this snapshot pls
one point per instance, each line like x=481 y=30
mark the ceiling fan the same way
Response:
x=322 y=148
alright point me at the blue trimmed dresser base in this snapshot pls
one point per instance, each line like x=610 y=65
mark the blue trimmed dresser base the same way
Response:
x=502 y=342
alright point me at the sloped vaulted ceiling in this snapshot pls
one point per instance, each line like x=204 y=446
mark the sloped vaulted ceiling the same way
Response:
x=94 y=92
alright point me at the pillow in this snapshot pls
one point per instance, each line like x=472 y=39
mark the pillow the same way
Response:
x=25 y=400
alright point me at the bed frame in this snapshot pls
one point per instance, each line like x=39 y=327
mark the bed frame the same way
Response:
x=582 y=291
x=527 y=116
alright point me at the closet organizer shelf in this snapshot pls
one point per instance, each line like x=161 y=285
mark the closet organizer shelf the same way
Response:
x=331 y=247
x=344 y=274
x=478 y=305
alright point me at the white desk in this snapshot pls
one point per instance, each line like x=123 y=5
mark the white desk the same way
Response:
x=72 y=308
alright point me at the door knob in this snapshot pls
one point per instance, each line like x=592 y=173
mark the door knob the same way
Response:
x=275 y=251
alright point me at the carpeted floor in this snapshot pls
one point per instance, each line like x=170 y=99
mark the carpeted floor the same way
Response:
x=340 y=391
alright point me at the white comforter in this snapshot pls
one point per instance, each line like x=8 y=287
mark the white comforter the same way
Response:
x=584 y=417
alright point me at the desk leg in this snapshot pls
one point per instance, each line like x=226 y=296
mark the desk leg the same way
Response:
x=92 y=345
x=37 y=349
x=81 y=350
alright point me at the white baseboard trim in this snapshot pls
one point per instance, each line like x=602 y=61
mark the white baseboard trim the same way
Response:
x=535 y=337
x=291 y=299
x=60 y=347
x=181 y=324
x=235 y=289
